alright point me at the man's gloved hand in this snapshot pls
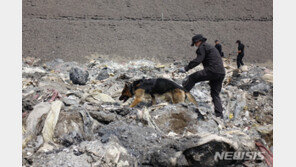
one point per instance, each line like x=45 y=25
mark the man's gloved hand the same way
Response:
x=182 y=70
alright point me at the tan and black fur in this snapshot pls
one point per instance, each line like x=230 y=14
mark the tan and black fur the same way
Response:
x=160 y=86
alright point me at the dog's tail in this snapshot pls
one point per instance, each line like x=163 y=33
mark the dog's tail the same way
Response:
x=191 y=98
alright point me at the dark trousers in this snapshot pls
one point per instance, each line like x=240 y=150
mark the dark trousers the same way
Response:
x=216 y=81
x=239 y=60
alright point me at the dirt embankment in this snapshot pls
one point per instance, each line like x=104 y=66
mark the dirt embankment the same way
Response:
x=134 y=29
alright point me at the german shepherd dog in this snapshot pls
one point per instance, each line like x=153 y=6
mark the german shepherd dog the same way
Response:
x=174 y=92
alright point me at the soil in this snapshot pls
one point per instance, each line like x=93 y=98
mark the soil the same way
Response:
x=160 y=31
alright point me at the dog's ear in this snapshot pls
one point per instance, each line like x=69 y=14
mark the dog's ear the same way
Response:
x=127 y=84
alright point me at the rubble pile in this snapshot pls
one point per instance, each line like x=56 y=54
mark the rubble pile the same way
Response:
x=72 y=117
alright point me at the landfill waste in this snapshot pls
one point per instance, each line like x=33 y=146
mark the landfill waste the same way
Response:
x=51 y=121
x=244 y=68
x=32 y=121
x=78 y=76
x=32 y=61
x=72 y=116
x=96 y=96
x=268 y=78
x=104 y=74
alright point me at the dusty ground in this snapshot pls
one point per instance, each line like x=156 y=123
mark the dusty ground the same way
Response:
x=158 y=30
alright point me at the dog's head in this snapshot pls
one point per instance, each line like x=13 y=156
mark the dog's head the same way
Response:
x=126 y=92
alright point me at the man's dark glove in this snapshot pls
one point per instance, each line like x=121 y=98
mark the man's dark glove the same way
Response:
x=181 y=70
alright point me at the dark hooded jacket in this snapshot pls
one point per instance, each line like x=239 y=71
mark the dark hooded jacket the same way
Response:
x=241 y=47
x=210 y=57
x=219 y=48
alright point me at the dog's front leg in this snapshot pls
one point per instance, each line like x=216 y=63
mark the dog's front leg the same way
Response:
x=153 y=99
x=135 y=102
x=139 y=93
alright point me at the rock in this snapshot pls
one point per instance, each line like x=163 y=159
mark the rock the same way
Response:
x=103 y=74
x=78 y=76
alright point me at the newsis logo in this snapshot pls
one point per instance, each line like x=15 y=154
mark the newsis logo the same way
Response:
x=238 y=156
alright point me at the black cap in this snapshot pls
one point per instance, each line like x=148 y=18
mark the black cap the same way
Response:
x=238 y=41
x=197 y=38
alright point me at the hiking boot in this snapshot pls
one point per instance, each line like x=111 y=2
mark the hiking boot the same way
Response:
x=217 y=114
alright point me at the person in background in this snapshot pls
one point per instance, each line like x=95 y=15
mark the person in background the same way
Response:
x=240 y=53
x=218 y=46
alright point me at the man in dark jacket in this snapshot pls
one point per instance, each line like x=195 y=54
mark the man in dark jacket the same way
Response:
x=213 y=70
x=218 y=46
x=240 y=53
